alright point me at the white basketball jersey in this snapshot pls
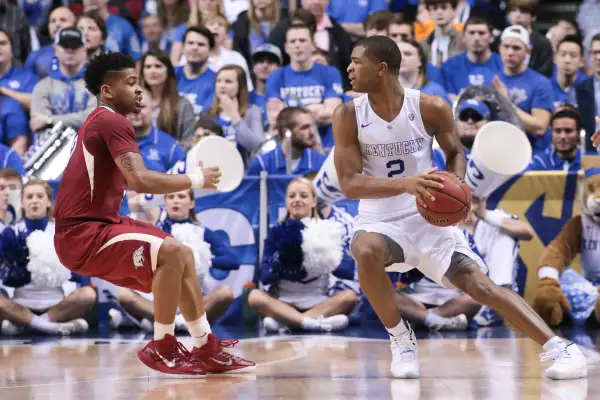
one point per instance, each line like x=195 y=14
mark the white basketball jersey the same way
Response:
x=398 y=148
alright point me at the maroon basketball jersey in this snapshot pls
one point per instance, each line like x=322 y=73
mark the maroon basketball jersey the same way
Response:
x=92 y=186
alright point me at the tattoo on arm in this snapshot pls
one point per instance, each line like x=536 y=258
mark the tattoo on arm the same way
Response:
x=131 y=161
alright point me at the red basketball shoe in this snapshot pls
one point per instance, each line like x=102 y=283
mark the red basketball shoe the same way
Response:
x=218 y=361
x=168 y=356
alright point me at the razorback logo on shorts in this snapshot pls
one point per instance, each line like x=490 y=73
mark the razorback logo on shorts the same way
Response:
x=138 y=258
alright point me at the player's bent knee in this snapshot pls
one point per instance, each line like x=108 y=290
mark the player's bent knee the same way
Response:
x=369 y=250
x=172 y=255
x=473 y=282
x=4 y=303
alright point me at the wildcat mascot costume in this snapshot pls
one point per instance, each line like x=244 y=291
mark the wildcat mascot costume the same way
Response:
x=563 y=294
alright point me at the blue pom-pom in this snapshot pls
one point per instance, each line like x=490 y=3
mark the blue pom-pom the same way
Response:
x=283 y=251
x=15 y=256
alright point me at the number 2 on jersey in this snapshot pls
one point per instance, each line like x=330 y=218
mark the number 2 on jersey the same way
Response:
x=398 y=167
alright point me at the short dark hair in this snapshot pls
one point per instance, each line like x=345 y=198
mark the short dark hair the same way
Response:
x=103 y=64
x=478 y=20
x=299 y=26
x=530 y=6
x=595 y=38
x=7 y=33
x=286 y=119
x=305 y=17
x=201 y=30
x=8 y=173
x=379 y=20
x=571 y=39
x=568 y=112
x=453 y=3
x=383 y=49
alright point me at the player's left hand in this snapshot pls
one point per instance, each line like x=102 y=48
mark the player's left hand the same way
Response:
x=596 y=135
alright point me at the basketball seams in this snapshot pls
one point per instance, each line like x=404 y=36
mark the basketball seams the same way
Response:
x=444 y=218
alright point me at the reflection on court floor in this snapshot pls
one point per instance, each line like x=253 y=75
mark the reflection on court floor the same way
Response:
x=291 y=367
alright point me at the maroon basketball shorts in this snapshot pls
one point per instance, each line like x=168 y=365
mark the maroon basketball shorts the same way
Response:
x=124 y=254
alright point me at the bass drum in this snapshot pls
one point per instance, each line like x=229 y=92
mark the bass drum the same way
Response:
x=501 y=108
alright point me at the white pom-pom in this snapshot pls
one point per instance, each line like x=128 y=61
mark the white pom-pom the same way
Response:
x=192 y=236
x=322 y=246
x=44 y=265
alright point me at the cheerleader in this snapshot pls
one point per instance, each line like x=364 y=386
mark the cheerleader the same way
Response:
x=210 y=251
x=30 y=266
x=299 y=254
x=492 y=234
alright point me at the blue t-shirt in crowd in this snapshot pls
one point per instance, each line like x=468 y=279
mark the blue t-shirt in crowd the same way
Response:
x=459 y=72
x=160 y=151
x=561 y=96
x=37 y=11
x=434 y=74
x=11 y=159
x=122 y=37
x=40 y=61
x=301 y=89
x=354 y=11
x=436 y=89
x=274 y=163
x=259 y=38
x=13 y=120
x=261 y=101
x=304 y=88
x=531 y=90
x=19 y=79
x=200 y=91
x=549 y=160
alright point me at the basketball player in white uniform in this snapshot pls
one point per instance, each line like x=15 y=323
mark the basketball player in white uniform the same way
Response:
x=383 y=157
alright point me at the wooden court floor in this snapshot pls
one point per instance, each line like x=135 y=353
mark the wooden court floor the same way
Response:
x=292 y=367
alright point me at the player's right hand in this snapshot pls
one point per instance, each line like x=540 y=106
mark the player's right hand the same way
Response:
x=211 y=177
x=417 y=185
x=205 y=178
x=596 y=136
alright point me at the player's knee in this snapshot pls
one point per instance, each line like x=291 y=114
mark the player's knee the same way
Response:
x=368 y=254
x=172 y=255
x=126 y=296
x=257 y=299
x=473 y=282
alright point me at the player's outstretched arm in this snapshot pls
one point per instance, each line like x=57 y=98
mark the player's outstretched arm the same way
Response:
x=349 y=165
x=437 y=115
x=142 y=180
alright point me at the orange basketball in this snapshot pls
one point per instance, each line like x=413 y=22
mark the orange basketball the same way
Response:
x=451 y=205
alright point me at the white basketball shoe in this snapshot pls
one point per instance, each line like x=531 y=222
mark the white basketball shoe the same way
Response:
x=569 y=363
x=405 y=355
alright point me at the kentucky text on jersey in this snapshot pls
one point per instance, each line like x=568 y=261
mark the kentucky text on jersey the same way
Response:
x=393 y=149
x=309 y=94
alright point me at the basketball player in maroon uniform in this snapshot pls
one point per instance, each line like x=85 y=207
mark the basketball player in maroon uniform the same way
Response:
x=92 y=239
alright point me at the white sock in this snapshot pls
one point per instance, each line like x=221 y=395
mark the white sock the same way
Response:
x=399 y=329
x=433 y=319
x=199 y=329
x=46 y=317
x=43 y=324
x=554 y=343
x=311 y=324
x=160 y=330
